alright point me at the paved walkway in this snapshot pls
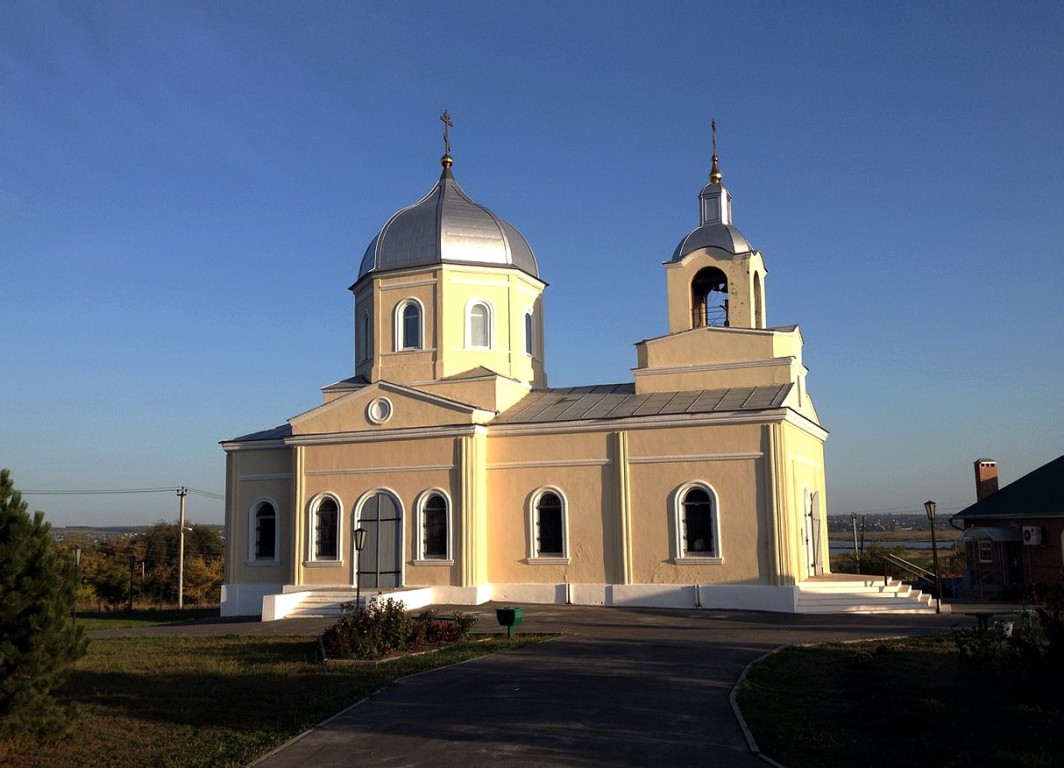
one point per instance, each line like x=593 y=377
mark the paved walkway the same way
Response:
x=622 y=687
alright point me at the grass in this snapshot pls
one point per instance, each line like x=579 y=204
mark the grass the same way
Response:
x=142 y=617
x=901 y=702
x=208 y=701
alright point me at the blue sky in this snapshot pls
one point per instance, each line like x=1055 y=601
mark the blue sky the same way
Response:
x=186 y=190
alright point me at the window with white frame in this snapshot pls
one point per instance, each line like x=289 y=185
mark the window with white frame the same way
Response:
x=408 y=325
x=549 y=526
x=434 y=533
x=697 y=520
x=326 y=529
x=479 y=325
x=264 y=532
x=986 y=551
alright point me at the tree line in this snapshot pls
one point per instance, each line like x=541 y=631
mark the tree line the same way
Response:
x=151 y=557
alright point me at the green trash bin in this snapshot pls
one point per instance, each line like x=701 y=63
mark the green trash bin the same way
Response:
x=509 y=618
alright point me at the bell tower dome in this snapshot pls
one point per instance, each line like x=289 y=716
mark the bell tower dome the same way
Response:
x=715 y=277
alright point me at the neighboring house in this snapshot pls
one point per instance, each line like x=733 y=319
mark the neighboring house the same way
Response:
x=1015 y=535
x=700 y=483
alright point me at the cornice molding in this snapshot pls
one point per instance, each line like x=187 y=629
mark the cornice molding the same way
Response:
x=372 y=470
x=380 y=435
x=774 y=415
x=788 y=360
x=746 y=456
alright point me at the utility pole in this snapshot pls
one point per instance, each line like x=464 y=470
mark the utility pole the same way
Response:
x=182 y=492
x=856 y=552
x=132 y=565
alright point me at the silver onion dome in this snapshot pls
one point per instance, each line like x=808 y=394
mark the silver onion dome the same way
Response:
x=446 y=226
x=716 y=229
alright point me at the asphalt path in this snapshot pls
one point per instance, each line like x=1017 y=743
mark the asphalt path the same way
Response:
x=619 y=687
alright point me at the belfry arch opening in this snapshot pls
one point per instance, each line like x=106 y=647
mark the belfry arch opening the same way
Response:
x=759 y=311
x=709 y=298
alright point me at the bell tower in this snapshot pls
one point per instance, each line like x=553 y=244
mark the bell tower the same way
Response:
x=715 y=277
x=718 y=338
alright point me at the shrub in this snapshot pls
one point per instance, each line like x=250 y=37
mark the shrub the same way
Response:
x=384 y=628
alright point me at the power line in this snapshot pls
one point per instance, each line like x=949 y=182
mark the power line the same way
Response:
x=114 y=491
x=208 y=494
x=97 y=491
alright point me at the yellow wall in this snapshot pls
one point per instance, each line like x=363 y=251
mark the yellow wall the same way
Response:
x=405 y=468
x=444 y=292
x=254 y=475
x=739 y=270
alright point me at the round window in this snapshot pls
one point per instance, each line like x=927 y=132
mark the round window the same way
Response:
x=379 y=410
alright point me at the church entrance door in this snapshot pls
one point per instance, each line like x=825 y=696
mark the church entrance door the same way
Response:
x=378 y=565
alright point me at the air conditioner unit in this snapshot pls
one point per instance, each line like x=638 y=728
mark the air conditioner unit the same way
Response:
x=1032 y=535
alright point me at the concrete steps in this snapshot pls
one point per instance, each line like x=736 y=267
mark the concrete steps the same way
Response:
x=869 y=595
x=301 y=602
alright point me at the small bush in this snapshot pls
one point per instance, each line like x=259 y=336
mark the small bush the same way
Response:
x=384 y=628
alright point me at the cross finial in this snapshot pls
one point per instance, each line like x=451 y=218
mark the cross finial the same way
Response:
x=447 y=125
x=714 y=173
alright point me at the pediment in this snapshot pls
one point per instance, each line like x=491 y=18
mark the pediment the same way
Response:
x=386 y=406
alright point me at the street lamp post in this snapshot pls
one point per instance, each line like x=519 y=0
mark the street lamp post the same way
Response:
x=360 y=542
x=929 y=507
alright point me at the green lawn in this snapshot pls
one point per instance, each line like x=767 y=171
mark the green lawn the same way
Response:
x=216 y=701
x=142 y=617
x=912 y=702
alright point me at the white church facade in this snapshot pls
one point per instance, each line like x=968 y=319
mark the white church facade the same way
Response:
x=698 y=484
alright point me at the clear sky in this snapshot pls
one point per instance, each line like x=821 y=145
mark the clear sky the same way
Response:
x=187 y=188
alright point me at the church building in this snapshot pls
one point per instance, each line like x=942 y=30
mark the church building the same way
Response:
x=465 y=478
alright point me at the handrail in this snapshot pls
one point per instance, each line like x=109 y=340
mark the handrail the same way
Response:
x=912 y=568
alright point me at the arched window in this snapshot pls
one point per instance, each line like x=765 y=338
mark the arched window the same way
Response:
x=759 y=312
x=549 y=526
x=408 y=325
x=326 y=532
x=709 y=298
x=697 y=523
x=434 y=540
x=263 y=532
x=528 y=334
x=366 y=347
x=479 y=325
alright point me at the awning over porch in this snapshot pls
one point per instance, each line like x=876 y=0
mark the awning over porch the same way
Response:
x=991 y=533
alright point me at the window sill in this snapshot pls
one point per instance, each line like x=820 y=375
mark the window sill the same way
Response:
x=432 y=561
x=697 y=560
x=323 y=563
x=262 y=563
x=547 y=560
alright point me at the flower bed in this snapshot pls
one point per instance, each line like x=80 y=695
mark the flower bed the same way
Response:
x=384 y=629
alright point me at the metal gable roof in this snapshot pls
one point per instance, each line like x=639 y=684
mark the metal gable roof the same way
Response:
x=617 y=401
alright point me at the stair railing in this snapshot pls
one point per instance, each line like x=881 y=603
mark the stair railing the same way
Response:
x=911 y=568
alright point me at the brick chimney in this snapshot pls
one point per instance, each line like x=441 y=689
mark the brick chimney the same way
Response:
x=986 y=478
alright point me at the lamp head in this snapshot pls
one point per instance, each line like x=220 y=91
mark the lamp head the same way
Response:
x=929 y=508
